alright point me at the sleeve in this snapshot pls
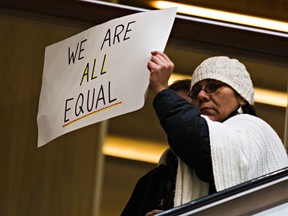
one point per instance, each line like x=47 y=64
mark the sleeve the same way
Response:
x=187 y=132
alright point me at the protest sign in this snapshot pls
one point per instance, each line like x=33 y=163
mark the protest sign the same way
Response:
x=99 y=73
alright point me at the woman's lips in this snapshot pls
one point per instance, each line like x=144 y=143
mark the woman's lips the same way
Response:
x=203 y=108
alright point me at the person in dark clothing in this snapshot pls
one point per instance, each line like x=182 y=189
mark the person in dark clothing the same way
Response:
x=218 y=139
x=155 y=190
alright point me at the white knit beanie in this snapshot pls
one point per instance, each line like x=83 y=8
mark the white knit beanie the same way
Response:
x=226 y=70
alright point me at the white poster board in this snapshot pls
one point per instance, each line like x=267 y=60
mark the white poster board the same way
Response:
x=99 y=73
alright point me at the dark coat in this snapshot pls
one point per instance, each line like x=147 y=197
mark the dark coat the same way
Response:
x=155 y=190
x=188 y=137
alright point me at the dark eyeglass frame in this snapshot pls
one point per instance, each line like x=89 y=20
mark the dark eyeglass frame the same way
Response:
x=208 y=88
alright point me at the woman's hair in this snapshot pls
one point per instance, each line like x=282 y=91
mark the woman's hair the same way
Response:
x=249 y=109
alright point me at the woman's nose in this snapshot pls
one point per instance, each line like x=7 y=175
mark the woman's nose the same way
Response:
x=203 y=96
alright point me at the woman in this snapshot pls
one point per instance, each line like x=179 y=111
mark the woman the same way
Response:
x=218 y=139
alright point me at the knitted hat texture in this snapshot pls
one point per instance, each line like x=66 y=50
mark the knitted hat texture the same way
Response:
x=229 y=71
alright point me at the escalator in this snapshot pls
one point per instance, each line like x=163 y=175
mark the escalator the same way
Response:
x=266 y=195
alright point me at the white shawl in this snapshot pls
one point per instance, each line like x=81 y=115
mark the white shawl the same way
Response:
x=242 y=148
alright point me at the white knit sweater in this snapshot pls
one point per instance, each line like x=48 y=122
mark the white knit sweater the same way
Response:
x=242 y=148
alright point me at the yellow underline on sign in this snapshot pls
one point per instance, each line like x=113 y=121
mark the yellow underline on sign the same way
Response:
x=92 y=113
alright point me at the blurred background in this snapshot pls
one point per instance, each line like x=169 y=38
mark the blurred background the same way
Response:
x=92 y=171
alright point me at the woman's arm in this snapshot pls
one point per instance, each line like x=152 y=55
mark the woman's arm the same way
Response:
x=187 y=132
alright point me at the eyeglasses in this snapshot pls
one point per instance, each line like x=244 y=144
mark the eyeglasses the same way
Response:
x=209 y=88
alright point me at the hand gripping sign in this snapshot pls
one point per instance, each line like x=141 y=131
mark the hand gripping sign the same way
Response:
x=99 y=73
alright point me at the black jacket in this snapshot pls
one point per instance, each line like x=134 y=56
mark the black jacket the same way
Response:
x=155 y=190
x=187 y=132
x=188 y=138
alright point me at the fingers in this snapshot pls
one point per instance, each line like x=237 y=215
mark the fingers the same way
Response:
x=160 y=61
x=163 y=55
x=153 y=212
x=161 y=68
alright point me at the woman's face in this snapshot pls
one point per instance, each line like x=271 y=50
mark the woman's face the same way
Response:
x=215 y=99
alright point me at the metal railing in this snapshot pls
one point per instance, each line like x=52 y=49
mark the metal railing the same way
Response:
x=249 y=198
